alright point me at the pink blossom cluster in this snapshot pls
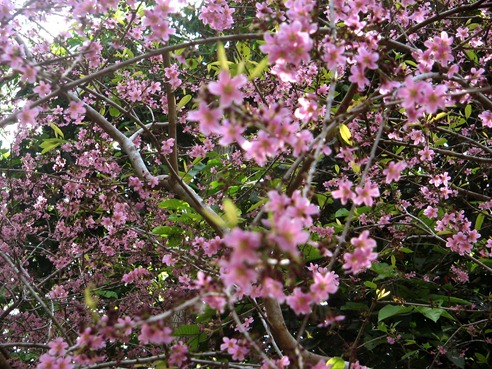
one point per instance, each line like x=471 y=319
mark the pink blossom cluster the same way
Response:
x=465 y=237
x=363 y=195
x=324 y=284
x=155 y=333
x=137 y=275
x=419 y=97
x=56 y=357
x=234 y=347
x=217 y=14
x=288 y=48
x=156 y=19
x=363 y=254
x=290 y=216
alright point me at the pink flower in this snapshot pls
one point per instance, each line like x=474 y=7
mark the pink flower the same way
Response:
x=486 y=118
x=235 y=349
x=324 y=284
x=64 y=363
x=300 y=302
x=430 y=212
x=357 y=76
x=333 y=56
x=228 y=89
x=207 y=118
x=363 y=254
x=366 y=59
x=289 y=46
x=47 y=361
x=57 y=347
x=274 y=289
x=365 y=195
x=28 y=115
x=244 y=244
x=75 y=109
x=288 y=234
x=344 y=192
x=43 y=89
x=167 y=146
x=155 y=333
x=393 y=171
x=230 y=133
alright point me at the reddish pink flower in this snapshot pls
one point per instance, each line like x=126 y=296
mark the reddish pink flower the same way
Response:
x=393 y=171
x=75 y=109
x=344 y=192
x=207 y=118
x=228 y=89
x=300 y=302
x=365 y=195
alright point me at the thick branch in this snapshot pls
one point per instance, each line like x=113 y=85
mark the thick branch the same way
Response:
x=285 y=339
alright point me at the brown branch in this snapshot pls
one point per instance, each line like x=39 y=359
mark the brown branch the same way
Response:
x=285 y=339
x=171 y=114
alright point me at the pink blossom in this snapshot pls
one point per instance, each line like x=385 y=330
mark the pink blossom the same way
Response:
x=333 y=55
x=155 y=333
x=486 y=118
x=217 y=14
x=357 y=76
x=57 y=347
x=167 y=146
x=430 y=212
x=244 y=244
x=361 y=258
x=27 y=116
x=289 y=46
x=207 y=118
x=234 y=348
x=393 y=171
x=344 y=192
x=288 y=234
x=323 y=285
x=230 y=133
x=43 y=89
x=47 y=361
x=274 y=289
x=366 y=59
x=365 y=195
x=228 y=89
x=300 y=302
x=75 y=109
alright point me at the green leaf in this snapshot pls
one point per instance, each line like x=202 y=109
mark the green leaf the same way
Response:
x=370 y=284
x=468 y=111
x=392 y=310
x=114 y=112
x=50 y=144
x=479 y=221
x=173 y=204
x=336 y=363
x=186 y=330
x=231 y=213
x=432 y=314
x=57 y=130
x=340 y=213
x=260 y=67
x=222 y=57
x=106 y=294
x=167 y=231
x=183 y=102
x=345 y=134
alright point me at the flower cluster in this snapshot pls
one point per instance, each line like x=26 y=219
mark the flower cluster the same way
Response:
x=362 y=256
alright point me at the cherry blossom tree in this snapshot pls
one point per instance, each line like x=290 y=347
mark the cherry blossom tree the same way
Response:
x=244 y=184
